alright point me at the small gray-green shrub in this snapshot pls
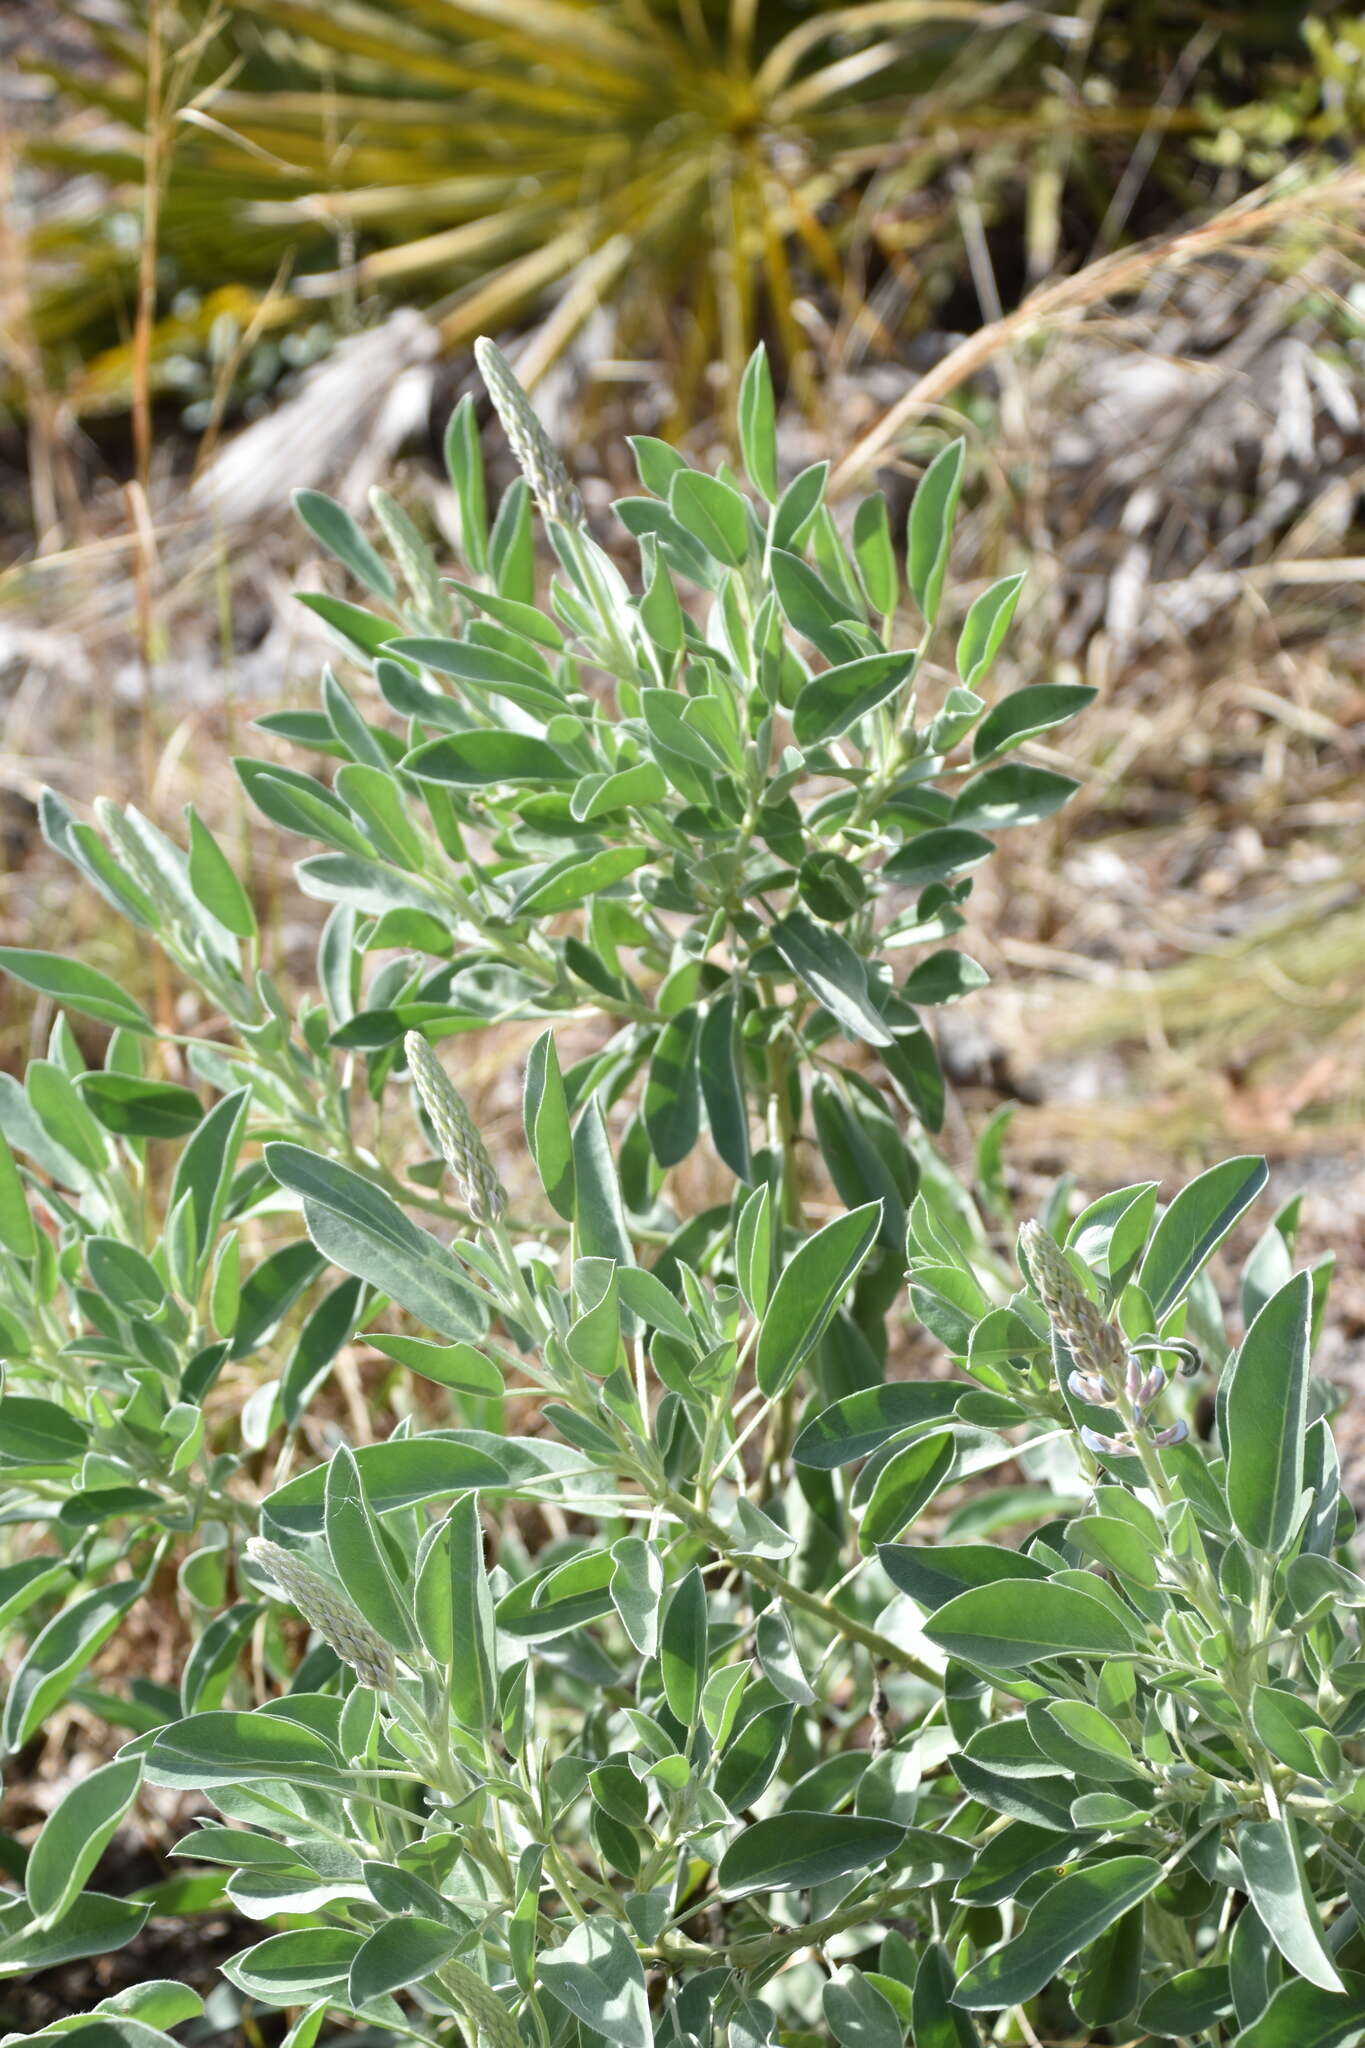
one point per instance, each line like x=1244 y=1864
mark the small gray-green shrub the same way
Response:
x=631 y=1709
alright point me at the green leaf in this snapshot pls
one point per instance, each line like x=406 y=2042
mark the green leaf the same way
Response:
x=234 y=1749
x=1011 y=794
x=27 y=1581
x=558 y=1598
x=358 y=628
x=92 y=1926
x=135 y=1108
x=808 y=1291
x=875 y=555
x=125 y=1276
x=75 y=1836
x=905 y=1485
x=401 y=1952
x=1024 y=713
x=599 y=1211
x=984 y=630
x=1109 y=1983
x=1266 y=1417
x=1288 y=1726
x=721 y=1069
x=1194 y=1226
x=935 y=855
x=1066 y=1919
x=754 y=1248
x=1302 y=2015
x=402 y=1472
x=758 y=424
x=798 y=505
x=359 y=1556
x=672 y=1099
x=810 y=607
x=484 y=668
x=992 y=1625
x=861 y=1423
x=73 y=1636
x=858 y=2014
x=934 y=1573
x=18 y=1231
x=935 y=2021
x=36 y=1431
x=546 y=1118
x=1273 y=1868
x=651 y=1301
x=1191 y=2001
x=943 y=978
x=215 y=882
x=598 y=796
x=683 y=1643
x=457 y=1366
x=204 y=1170
x=637 y=1585
x=361 y=1229
x=80 y=987
x=464 y=467
x=373 y=797
x=333 y=525
x=792 y=1851
x=932 y=512
x=578 y=877
x=712 y=513
x=833 y=972
x=598 y=1977
x=473 y=760
x=291 y=1969
x=454 y=1608
x=328 y=1326
x=301 y=804
x=833 y=701
x=656 y=462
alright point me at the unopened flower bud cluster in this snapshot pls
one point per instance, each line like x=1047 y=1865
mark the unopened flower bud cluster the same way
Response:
x=326 y=1608
x=1106 y=1373
x=457 y=1136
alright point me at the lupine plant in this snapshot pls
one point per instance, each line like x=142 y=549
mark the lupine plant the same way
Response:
x=700 y=1677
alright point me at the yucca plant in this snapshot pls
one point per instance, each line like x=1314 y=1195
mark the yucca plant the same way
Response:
x=617 y=1707
x=695 y=168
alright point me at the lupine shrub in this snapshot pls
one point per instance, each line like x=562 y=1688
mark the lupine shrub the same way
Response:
x=700 y=1677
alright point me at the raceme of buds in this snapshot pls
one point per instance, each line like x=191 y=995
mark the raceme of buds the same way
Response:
x=461 y=1146
x=554 y=489
x=1106 y=1372
x=480 y=2005
x=1097 y=1347
x=326 y=1608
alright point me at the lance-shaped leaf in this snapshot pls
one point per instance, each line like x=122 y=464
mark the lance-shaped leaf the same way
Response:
x=1266 y=1417
x=75 y=1835
x=994 y=1625
x=1194 y=1226
x=833 y=973
x=360 y=1558
x=792 y=1851
x=807 y=1293
x=1066 y=1919
x=361 y=1229
x=82 y=988
x=1273 y=1867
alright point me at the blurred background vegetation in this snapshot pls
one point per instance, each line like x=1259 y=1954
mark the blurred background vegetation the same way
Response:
x=248 y=243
